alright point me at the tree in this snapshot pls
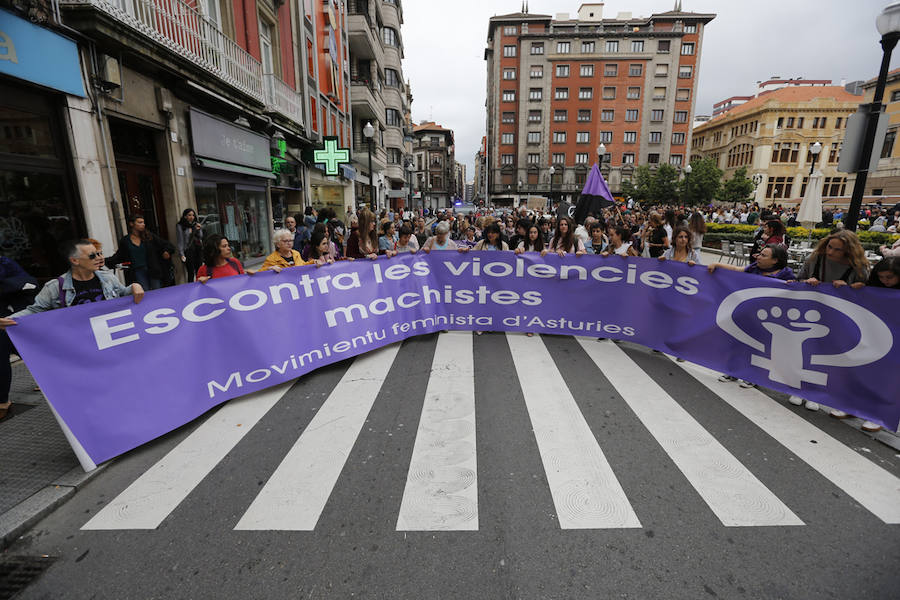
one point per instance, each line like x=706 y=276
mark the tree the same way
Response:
x=664 y=185
x=640 y=185
x=703 y=184
x=737 y=189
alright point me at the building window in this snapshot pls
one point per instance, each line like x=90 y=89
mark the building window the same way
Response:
x=684 y=94
x=587 y=47
x=561 y=94
x=779 y=187
x=631 y=114
x=785 y=152
x=560 y=116
x=655 y=137
x=585 y=93
x=834 y=187
x=510 y=30
x=390 y=37
x=587 y=71
x=635 y=70
x=535 y=94
x=537 y=72
x=581 y=158
x=509 y=95
x=659 y=93
x=562 y=70
x=606 y=137
x=835 y=152
x=607 y=114
x=681 y=116
x=685 y=72
x=653 y=159
x=392 y=78
x=634 y=93
x=534 y=159
x=505 y=159
x=507 y=139
x=687 y=48
x=663 y=46
x=637 y=45
x=559 y=137
x=610 y=70
x=584 y=116
x=675 y=160
x=888 y=147
x=559 y=158
x=819 y=122
x=678 y=139
x=393 y=117
x=265 y=45
x=534 y=137
x=509 y=74
x=690 y=28
x=394 y=156
x=508 y=117
x=583 y=137
x=657 y=115
x=628 y=158
x=509 y=51
x=662 y=70
x=612 y=45
x=563 y=47
x=537 y=47
x=609 y=93
x=895 y=97
x=534 y=116
x=630 y=137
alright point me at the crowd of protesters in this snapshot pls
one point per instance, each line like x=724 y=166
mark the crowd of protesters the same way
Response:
x=318 y=238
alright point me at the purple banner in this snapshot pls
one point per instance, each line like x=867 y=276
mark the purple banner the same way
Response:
x=121 y=374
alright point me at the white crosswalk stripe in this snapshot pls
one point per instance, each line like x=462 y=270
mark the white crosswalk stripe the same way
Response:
x=296 y=494
x=730 y=490
x=585 y=490
x=442 y=483
x=870 y=485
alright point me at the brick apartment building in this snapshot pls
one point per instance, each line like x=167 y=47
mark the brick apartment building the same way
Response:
x=558 y=87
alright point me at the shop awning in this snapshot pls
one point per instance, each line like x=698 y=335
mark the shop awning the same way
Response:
x=224 y=166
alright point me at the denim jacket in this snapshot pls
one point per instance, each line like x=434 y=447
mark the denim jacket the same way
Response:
x=48 y=297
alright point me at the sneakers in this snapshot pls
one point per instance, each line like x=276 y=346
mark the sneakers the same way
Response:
x=796 y=400
x=871 y=427
x=679 y=359
x=746 y=384
x=838 y=414
x=724 y=378
x=812 y=405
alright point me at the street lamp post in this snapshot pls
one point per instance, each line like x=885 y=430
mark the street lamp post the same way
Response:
x=410 y=167
x=601 y=152
x=519 y=192
x=552 y=172
x=888 y=25
x=814 y=150
x=687 y=183
x=369 y=132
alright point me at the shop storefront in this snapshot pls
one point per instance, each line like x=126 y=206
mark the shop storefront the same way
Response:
x=287 y=188
x=231 y=176
x=39 y=208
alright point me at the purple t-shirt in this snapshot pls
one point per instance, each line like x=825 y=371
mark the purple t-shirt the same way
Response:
x=784 y=274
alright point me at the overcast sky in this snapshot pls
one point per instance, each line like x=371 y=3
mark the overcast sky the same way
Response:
x=747 y=42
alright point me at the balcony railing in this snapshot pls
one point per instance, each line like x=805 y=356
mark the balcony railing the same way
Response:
x=282 y=98
x=178 y=26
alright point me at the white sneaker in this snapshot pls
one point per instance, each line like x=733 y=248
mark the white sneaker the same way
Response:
x=812 y=405
x=838 y=414
x=871 y=427
x=746 y=384
x=796 y=400
x=724 y=378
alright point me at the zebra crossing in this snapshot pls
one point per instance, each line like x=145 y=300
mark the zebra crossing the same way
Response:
x=441 y=491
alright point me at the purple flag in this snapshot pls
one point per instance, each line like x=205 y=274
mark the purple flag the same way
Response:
x=121 y=374
x=594 y=197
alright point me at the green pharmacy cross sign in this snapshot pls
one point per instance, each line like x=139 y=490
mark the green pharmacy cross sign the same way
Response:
x=332 y=156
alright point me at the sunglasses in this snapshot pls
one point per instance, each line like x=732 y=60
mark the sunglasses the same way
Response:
x=94 y=255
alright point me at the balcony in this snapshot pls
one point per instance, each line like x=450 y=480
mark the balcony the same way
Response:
x=366 y=100
x=282 y=98
x=177 y=27
x=363 y=38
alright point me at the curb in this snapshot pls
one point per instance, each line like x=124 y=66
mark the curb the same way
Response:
x=27 y=513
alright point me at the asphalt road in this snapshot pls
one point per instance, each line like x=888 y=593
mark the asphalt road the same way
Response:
x=644 y=502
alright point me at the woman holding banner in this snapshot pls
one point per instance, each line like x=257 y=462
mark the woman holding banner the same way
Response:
x=839 y=259
x=218 y=260
x=363 y=242
x=681 y=250
x=564 y=241
x=533 y=242
x=618 y=245
x=284 y=255
x=441 y=240
x=492 y=240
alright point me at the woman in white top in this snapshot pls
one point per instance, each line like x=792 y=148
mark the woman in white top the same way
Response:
x=492 y=240
x=681 y=249
x=698 y=230
x=441 y=240
x=564 y=240
x=617 y=243
x=533 y=242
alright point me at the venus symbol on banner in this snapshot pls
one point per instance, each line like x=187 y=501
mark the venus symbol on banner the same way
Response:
x=791 y=321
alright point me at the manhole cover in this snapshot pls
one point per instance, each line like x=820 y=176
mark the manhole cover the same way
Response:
x=17 y=573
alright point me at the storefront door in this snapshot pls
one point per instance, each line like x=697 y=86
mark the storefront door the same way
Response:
x=140 y=190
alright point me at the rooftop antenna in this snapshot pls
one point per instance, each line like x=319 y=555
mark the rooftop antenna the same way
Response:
x=677 y=5
x=526 y=7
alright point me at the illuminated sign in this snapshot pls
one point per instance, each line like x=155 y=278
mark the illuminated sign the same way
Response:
x=278 y=162
x=331 y=156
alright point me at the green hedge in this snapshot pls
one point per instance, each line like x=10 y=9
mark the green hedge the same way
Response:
x=868 y=238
